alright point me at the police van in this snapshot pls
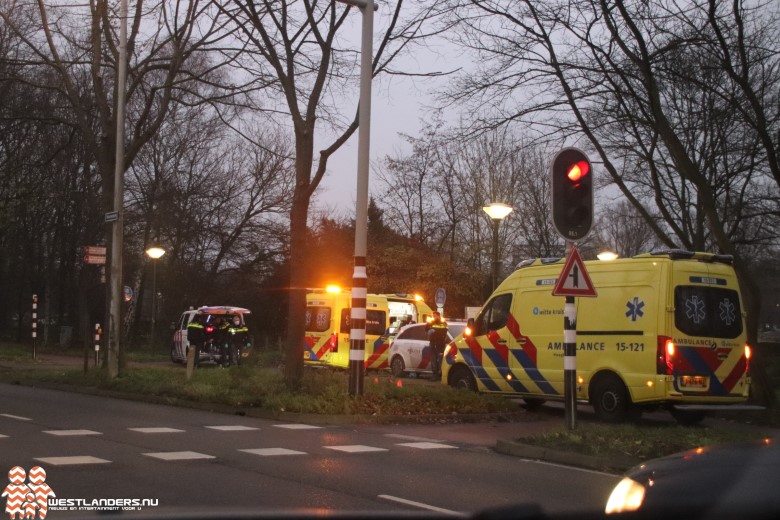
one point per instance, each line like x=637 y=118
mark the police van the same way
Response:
x=667 y=328
x=327 y=327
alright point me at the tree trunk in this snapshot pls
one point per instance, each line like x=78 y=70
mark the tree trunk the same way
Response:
x=299 y=276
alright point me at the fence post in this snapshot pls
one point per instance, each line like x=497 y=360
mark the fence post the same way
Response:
x=34 y=322
x=97 y=342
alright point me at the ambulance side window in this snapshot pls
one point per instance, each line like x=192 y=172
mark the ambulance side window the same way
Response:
x=494 y=315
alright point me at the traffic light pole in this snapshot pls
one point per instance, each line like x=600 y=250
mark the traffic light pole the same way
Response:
x=570 y=362
x=570 y=357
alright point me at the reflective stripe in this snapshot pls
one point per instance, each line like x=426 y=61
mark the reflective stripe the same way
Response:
x=357 y=334
x=569 y=363
x=570 y=336
x=357 y=355
x=360 y=293
x=358 y=313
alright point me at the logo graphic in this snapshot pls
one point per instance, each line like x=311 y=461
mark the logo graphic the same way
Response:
x=30 y=499
x=694 y=309
x=635 y=309
x=728 y=312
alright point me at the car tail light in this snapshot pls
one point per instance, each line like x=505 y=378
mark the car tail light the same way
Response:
x=334 y=342
x=664 y=360
x=210 y=329
x=748 y=355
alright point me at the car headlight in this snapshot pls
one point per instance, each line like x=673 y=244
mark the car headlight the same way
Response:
x=627 y=496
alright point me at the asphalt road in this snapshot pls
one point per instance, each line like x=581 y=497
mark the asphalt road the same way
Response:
x=189 y=460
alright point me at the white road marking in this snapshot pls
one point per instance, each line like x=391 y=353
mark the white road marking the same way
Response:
x=420 y=505
x=427 y=445
x=297 y=426
x=355 y=448
x=66 y=461
x=65 y=433
x=156 y=430
x=179 y=455
x=234 y=428
x=410 y=437
x=270 y=452
x=17 y=417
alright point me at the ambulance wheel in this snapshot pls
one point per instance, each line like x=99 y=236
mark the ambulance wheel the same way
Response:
x=461 y=378
x=687 y=417
x=173 y=354
x=610 y=399
x=397 y=366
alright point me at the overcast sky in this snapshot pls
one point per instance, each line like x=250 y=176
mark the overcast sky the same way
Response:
x=398 y=106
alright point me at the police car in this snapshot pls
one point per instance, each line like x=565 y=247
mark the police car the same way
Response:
x=181 y=344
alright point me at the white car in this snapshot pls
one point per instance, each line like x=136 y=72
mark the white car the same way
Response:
x=410 y=350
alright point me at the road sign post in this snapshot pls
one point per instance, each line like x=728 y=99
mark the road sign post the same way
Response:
x=441 y=298
x=574 y=281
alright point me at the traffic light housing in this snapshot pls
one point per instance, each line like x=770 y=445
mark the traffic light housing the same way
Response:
x=572 y=194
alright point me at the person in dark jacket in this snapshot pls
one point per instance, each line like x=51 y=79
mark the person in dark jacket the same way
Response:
x=196 y=335
x=437 y=334
x=238 y=337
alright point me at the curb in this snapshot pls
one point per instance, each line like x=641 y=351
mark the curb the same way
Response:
x=319 y=419
x=527 y=451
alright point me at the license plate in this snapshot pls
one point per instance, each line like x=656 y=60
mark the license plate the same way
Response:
x=306 y=354
x=694 y=381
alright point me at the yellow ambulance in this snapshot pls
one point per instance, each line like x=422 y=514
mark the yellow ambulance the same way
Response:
x=328 y=324
x=667 y=328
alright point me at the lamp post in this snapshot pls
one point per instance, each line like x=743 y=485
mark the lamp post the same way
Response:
x=497 y=212
x=357 y=333
x=155 y=253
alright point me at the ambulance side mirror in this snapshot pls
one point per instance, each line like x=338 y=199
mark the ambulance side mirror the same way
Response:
x=470 y=328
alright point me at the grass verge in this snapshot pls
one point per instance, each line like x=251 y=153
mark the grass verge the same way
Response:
x=322 y=392
x=639 y=441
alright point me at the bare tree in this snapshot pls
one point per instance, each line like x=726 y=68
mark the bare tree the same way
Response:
x=78 y=45
x=462 y=174
x=295 y=51
x=638 y=82
x=216 y=200
x=622 y=230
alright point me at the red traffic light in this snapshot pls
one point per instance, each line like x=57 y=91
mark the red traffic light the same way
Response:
x=578 y=171
x=572 y=193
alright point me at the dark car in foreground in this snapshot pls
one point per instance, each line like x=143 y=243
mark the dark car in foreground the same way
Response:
x=739 y=481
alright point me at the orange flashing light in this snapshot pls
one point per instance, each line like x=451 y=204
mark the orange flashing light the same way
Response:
x=333 y=289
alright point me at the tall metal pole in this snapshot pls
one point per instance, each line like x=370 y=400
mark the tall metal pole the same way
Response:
x=357 y=333
x=495 y=253
x=154 y=308
x=115 y=307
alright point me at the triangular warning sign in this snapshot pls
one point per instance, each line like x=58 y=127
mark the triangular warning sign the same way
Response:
x=574 y=279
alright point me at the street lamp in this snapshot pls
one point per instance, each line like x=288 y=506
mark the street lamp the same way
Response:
x=497 y=212
x=155 y=253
